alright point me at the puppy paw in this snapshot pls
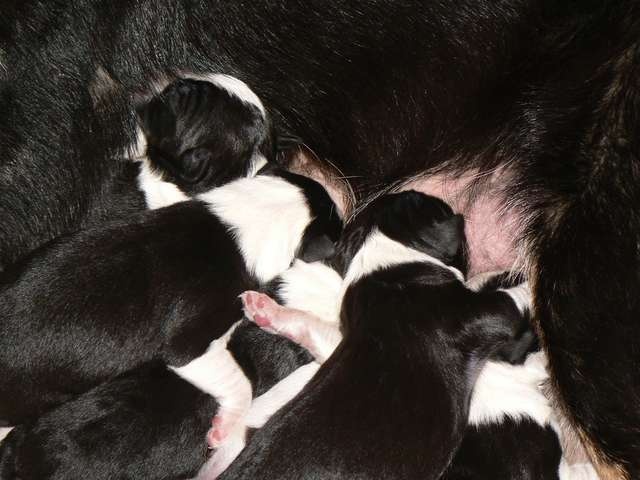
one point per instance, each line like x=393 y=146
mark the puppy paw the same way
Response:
x=303 y=328
x=217 y=433
x=222 y=426
x=260 y=308
x=274 y=318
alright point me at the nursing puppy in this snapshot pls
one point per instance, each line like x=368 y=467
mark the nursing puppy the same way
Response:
x=392 y=401
x=533 y=104
x=151 y=423
x=511 y=432
x=160 y=286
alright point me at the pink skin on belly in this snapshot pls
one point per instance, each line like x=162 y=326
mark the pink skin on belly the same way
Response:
x=490 y=228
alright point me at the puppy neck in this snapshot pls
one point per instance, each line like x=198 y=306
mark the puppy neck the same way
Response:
x=157 y=192
x=267 y=215
x=379 y=252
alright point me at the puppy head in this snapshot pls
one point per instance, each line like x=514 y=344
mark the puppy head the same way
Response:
x=276 y=217
x=323 y=231
x=413 y=219
x=202 y=133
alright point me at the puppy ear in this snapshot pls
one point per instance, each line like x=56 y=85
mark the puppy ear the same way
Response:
x=451 y=233
x=194 y=163
x=316 y=249
x=316 y=244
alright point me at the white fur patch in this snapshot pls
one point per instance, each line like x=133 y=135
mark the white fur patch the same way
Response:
x=217 y=373
x=257 y=162
x=4 y=432
x=267 y=215
x=521 y=296
x=233 y=85
x=577 y=471
x=267 y=404
x=379 y=252
x=312 y=287
x=504 y=390
x=262 y=409
x=477 y=282
x=157 y=192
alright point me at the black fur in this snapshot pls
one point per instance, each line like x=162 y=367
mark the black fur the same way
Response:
x=265 y=358
x=86 y=308
x=527 y=341
x=146 y=423
x=510 y=450
x=383 y=90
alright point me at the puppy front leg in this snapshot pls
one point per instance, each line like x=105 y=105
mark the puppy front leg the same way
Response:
x=217 y=373
x=320 y=338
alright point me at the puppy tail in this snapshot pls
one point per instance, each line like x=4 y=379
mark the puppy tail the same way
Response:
x=8 y=453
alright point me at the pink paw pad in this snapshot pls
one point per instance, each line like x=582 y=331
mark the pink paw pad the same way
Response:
x=259 y=308
x=217 y=433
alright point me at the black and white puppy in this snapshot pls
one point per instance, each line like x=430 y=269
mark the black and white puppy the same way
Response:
x=392 y=401
x=162 y=285
x=148 y=422
x=151 y=423
x=533 y=102
x=512 y=433
x=509 y=435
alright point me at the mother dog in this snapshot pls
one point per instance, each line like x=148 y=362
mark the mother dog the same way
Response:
x=523 y=114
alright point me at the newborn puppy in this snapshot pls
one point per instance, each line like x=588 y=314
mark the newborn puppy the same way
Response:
x=508 y=414
x=200 y=133
x=510 y=434
x=392 y=401
x=151 y=423
x=162 y=285
x=146 y=423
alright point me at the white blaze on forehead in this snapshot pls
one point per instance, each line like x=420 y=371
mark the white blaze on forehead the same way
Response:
x=379 y=252
x=515 y=391
x=233 y=85
x=267 y=216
